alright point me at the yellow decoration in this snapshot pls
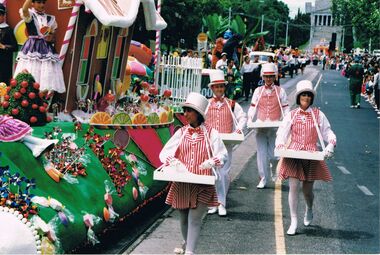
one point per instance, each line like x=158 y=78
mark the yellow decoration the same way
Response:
x=3 y=89
x=101 y=118
x=20 y=33
x=98 y=87
x=126 y=83
x=47 y=247
x=102 y=49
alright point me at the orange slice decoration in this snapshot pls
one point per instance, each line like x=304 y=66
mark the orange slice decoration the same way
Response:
x=163 y=117
x=101 y=118
x=139 y=118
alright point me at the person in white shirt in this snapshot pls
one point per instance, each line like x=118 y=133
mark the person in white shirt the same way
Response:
x=222 y=63
x=247 y=72
x=269 y=103
x=299 y=125
x=226 y=116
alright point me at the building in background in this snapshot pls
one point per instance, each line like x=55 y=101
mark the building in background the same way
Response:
x=325 y=35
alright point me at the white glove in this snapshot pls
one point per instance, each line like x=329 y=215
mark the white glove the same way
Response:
x=329 y=150
x=207 y=164
x=173 y=161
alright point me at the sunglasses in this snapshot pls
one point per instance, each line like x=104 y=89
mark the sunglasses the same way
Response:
x=306 y=94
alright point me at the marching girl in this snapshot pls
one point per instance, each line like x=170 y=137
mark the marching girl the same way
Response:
x=299 y=125
x=269 y=102
x=200 y=149
x=38 y=55
x=226 y=116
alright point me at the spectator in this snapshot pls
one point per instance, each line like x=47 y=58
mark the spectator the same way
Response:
x=355 y=72
x=8 y=45
x=222 y=63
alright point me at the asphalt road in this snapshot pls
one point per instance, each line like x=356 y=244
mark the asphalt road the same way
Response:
x=346 y=210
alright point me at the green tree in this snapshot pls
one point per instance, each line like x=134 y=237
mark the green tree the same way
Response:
x=299 y=29
x=360 y=20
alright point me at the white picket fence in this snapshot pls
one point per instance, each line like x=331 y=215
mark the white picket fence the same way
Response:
x=181 y=76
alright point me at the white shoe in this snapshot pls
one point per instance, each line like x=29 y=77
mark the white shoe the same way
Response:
x=308 y=217
x=292 y=229
x=212 y=210
x=261 y=184
x=180 y=250
x=274 y=177
x=222 y=210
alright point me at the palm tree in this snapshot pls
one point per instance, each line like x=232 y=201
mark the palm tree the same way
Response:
x=238 y=26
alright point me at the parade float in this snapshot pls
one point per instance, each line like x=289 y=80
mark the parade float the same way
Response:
x=108 y=128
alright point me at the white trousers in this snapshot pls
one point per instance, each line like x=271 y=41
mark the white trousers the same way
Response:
x=265 y=140
x=223 y=183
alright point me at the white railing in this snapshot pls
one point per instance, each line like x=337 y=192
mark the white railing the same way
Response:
x=181 y=76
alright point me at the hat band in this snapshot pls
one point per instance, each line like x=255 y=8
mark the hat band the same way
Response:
x=218 y=81
x=266 y=73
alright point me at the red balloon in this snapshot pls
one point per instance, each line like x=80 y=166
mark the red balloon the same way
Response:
x=36 y=85
x=15 y=111
x=34 y=106
x=6 y=97
x=32 y=95
x=13 y=82
x=24 y=103
x=33 y=119
x=48 y=119
x=17 y=95
x=5 y=104
x=24 y=84
x=22 y=90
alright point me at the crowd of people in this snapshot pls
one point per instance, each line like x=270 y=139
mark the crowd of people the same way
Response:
x=199 y=147
x=363 y=73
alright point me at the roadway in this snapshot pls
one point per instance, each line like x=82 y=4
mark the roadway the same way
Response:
x=346 y=210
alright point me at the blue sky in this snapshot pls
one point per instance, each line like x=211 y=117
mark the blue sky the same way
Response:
x=295 y=4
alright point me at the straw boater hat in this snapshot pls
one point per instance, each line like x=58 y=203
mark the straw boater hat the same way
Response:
x=196 y=102
x=268 y=69
x=216 y=77
x=304 y=86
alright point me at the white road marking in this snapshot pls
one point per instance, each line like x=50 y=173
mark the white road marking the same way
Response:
x=365 y=190
x=343 y=169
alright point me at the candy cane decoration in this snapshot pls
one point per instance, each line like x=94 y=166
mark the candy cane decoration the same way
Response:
x=157 y=54
x=69 y=30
